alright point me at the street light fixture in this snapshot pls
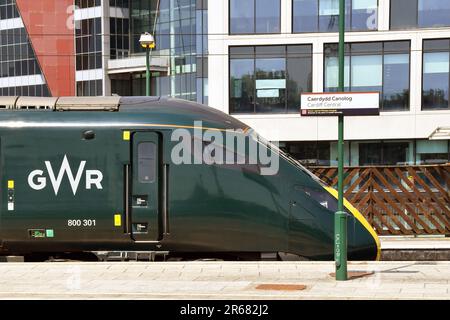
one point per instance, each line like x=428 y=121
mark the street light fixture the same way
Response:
x=147 y=42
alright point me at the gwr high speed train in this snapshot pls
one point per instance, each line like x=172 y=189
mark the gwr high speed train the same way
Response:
x=98 y=174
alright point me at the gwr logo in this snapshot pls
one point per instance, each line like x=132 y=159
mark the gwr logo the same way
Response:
x=37 y=181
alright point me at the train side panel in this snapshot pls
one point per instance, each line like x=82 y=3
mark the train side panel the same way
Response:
x=60 y=189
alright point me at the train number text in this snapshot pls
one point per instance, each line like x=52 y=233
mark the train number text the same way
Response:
x=81 y=223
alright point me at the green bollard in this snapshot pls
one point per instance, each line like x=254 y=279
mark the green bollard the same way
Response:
x=340 y=245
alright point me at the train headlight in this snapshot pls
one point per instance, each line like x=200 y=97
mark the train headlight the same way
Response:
x=322 y=197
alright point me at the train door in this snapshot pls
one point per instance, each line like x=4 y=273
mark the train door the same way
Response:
x=145 y=213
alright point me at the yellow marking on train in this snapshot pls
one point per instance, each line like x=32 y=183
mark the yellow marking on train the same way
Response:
x=126 y=135
x=10 y=184
x=117 y=220
x=360 y=218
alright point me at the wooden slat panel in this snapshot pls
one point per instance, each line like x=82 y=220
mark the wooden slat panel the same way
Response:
x=423 y=199
x=395 y=196
x=424 y=206
x=411 y=199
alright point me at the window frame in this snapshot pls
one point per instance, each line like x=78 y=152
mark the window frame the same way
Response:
x=422 y=76
x=286 y=57
x=416 y=20
x=318 y=20
x=383 y=52
x=254 y=21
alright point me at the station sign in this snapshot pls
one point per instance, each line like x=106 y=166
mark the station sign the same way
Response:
x=340 y=103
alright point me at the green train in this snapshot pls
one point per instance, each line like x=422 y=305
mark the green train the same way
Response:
x=104 y=174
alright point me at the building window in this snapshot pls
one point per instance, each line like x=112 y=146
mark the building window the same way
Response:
x=432 y=152
x=435 y=79
x=89 y=88
x=254 y=16
x=269 y=79
x=88 y=3
x=119 y=3
x=323 y=15
x=8 y=10
x=383 y=153
x=376 y=66
x=120 y=38
x=17 y=59
x=370 y=153
x=175 y=39
x=309 y=153
x=419 y=13
x=88 y=41
x=32 y=91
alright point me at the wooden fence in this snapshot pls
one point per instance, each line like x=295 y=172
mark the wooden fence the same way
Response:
x=398 y=200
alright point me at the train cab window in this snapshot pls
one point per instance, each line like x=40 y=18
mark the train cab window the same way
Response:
x=147 y=162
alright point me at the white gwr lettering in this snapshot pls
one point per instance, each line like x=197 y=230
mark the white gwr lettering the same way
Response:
x=37 y=181
x=65 y=168
x=41 y=181
x=94 y=177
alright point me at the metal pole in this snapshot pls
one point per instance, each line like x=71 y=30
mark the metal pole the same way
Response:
x=340 y=220
x=147 y=82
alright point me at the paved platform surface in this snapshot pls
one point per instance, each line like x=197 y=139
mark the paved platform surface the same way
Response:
x=222 y=280
x=415 y=243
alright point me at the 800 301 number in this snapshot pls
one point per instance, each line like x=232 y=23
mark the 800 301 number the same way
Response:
x=81 y=223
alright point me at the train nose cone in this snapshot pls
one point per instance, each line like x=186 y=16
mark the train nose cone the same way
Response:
x=363 y=241
x=363 y=247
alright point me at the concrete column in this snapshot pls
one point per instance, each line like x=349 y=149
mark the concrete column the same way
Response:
x=416 y=73
x=286 y=16
x=383 y=15
x=106 y=47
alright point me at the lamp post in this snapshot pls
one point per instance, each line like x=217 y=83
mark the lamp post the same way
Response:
x=147 y=42
x=340 y=219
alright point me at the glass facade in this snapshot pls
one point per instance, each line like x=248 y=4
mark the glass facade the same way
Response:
x=120 y=3
x=89 y=88
x=269 y=79
x=88 y=38
x=120 y=37
x=383 y=153
x=254 y=16
x=180 y=30
x=323 y=15
x=88 y=44
x=8 y=10
x=314 y=153
x=419 y=13
x=435 y=77
x=370 y=153
x=87 y=3
x=373 y=66
x=17 y=57
x=201 y=24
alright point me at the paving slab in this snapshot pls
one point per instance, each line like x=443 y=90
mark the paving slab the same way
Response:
x=222 y=280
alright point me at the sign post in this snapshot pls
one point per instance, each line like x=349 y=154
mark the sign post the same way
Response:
x=340 y=104
x=340 y=219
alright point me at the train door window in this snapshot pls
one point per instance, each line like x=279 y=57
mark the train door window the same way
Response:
x=147 y=162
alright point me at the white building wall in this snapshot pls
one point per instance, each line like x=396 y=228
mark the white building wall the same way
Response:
x=412 y=124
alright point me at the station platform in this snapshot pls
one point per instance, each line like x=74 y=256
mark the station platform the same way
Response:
x=423 y=248
x=199 y=280
x=414 y=243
